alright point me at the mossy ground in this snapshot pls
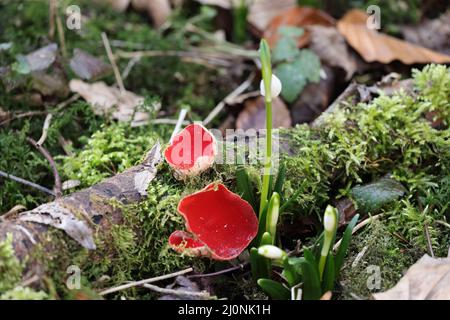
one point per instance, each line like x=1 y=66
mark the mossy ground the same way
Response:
x=357 y=144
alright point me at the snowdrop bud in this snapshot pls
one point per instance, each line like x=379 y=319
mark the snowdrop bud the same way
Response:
x=276 y=87
x=329 y=219
x=271 y=252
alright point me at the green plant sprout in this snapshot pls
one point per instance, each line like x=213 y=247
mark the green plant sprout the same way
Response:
x=317 y=271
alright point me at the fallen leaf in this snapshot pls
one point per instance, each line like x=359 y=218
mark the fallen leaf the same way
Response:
x=315 y=98
x=332 y=49
x=432 y=34
x=261 y=12
x=4 y=115
x=42 y=58
x=373 y=196
x=158 y=10
x=376 y=46
x=50 y=84
x=86 y=66
x=427 y=279
x=298 y=17
x=109 y=100
x=253 y=116
x=119 y=5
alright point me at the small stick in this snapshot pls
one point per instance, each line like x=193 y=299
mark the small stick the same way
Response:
x=58 y=186
x=113 y=62
x=359 y=226
x=183 y=293
x=213 y=274
x=427 y=235
x=26 y=182
x=47 y=121
x=23 y=115
x=142 y=282
x=179 y=123
x=235 y=93
x=61 y=37
x=51 y=18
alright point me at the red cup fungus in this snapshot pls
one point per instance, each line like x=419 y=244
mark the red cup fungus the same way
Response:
x=219 y=224
x=191 y=151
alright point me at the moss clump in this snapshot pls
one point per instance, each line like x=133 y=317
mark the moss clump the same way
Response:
x=10 y=267
x=23 y=293
x=109 y=151
x=375 y=252
x=361 y=143
x=11 y=275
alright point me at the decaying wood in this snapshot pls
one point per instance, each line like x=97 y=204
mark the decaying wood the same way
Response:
x=80 y=215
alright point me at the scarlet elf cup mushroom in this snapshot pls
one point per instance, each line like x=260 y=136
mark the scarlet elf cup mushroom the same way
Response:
x=191 y=151
x=219 y=224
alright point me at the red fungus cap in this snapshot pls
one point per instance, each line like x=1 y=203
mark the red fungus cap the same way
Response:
x=191 y=151
x=220 y=224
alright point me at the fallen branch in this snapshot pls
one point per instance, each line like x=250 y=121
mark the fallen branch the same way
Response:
x=58 y=187
x=235 y=93
x=146 y=281
x=113 y=62
x=27 y=183
x=180 y=293
x=79 y=215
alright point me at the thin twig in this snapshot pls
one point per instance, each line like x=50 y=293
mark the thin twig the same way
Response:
x=429 y=244
x=142 y=282
x=359 y=226
x=194 y=56
x=179 y=123
x=218 y=273
x=61 y=37
x=51 y=18
x=176 y=292
x=47 y=121
x=113 y=62
x=58 y=186
x=57 y=109
x=23 y=115
x=235 y=93
x=26 y=182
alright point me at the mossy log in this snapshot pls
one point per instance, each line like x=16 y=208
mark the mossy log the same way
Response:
x=80 y=214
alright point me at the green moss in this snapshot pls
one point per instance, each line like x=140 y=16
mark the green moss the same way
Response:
x=23 y=293
x=10 y=267
x=372 y=250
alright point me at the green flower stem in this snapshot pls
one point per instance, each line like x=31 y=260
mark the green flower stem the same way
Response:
x=266 y=70
x=330 y=226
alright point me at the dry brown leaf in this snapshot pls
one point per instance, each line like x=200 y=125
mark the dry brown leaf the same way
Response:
x=315 y=98
x=261 y=12
x=427 y=279
x=253 y=116
x=158 y=10
x=119 y=5
x=432 y=34
x=297 y=17
x=109 y=100
x=376 y=46
x=332 y=48
x=86 y=66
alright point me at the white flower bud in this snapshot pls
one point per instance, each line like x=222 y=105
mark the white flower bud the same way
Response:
x=329 y=219
x=275 y=84
x=271 y=252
